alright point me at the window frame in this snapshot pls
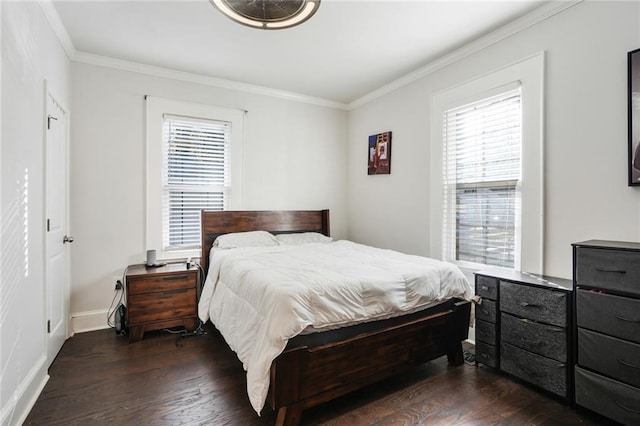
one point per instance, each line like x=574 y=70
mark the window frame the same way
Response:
x=451 y=205
x=156 y=109
x=529 y=74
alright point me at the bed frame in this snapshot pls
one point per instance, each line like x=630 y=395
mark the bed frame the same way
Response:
x=305 y=376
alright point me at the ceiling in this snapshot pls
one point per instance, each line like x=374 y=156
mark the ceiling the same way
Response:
x=348 y=49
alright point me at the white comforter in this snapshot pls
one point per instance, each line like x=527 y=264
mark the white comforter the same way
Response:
x=261 y=297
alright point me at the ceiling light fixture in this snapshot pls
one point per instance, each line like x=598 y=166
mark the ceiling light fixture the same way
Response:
x=268 y=14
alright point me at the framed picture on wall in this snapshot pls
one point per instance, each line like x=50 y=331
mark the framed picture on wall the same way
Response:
x=633 y=61
x=379 y=154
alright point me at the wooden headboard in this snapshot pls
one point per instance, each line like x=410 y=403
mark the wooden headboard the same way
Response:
x=215 y=223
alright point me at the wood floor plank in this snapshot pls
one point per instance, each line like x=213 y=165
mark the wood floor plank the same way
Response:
x=99 y=378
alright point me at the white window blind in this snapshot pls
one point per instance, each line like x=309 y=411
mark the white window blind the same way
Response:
x=481 y=174
x=195 y=176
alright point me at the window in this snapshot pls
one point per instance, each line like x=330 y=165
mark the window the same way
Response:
x=194 y=162
x=196 y=177
x=481 y=171
x=486 y=177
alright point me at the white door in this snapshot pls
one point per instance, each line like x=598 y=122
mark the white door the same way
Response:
x=56 y=188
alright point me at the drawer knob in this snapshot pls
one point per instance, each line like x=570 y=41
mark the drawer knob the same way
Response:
x=626 y=364
x=624 y=407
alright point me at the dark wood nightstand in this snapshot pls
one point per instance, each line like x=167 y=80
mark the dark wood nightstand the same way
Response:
x=161 y=297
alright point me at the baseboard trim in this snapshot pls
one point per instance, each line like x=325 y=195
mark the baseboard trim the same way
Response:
x=82 y=322
x=25 y=396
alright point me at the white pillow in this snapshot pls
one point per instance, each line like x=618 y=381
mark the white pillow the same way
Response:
x=302 y=238
x=246 y=239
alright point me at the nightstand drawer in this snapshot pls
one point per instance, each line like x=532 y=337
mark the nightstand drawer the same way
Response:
x=541 y=371
x=613 y=357
x=542 y=339
x=487 y=287
x=609 y=314
x=161 y=305
x=608 y=269
x=154 y=283
x=486 y=311
x=534 y=303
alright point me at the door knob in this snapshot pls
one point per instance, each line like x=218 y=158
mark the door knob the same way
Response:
x=67 y=239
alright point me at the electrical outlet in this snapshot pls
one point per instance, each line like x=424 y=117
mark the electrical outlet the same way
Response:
x=117 y=279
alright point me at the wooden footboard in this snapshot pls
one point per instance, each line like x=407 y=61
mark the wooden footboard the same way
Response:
x=307 y=376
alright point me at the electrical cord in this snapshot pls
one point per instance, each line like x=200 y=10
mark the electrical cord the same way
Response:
x=202 y=279
x=112 y=310
x=199 y=331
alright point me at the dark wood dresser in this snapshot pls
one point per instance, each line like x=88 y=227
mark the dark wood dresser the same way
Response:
x=161 y=297
x=523 y=327
x=606 y=276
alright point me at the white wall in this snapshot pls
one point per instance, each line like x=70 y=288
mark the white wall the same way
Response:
x=586 y=192
x=294 y=158
x=30 y=54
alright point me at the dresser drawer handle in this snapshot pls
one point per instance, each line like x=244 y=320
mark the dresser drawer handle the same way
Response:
x=484 y=287
x=175 y=278
x=484 y=311
x=626 y=319
x=613 y=271
x=170 y=293
x=626 y=364
x=532 y=342
x=529 y=305
x=621 y=405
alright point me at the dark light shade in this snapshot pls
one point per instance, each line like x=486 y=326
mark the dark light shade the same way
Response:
x=268 y=14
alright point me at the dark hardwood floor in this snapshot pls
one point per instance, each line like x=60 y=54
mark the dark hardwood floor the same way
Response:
x=99 y=378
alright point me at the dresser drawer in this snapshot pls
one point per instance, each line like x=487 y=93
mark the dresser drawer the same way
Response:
x=615 y=270
x=486 y=354
x=538 y=370
x=486 y=332
x=152 y=283
x=542 y=339
x=609 y=397
x=614 y=315
x=613 y=357
x=486 y=311
x=148 y=307
x=534 y=303
x=487 y=287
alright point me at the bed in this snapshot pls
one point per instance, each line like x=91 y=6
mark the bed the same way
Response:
x=316 y=367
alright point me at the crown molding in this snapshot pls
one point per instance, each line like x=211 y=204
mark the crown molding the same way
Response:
x=87 y=58
x=540 y=14
x=536 y=16
x=57 y=26
x=156 y=71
